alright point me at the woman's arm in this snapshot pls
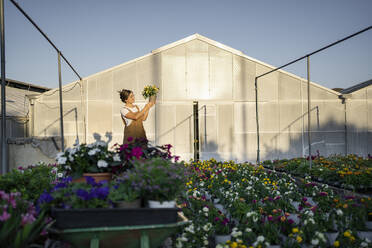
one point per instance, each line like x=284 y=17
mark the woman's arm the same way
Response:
x=146 y=114
x=139 y=114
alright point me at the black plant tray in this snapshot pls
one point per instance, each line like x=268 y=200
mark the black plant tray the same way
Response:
x=107 y=217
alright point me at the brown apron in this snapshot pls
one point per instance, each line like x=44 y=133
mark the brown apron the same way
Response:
x=134 y=130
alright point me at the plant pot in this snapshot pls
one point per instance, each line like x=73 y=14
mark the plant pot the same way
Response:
x=98 y=177
x=152 y=99
x=331 y=236
x=106 y=217
x=164 y=204
x=365 y=234
x=218 y=239
x=369 y=225
x=125 y=204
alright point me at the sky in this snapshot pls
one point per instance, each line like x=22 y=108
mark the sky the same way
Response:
x=95 y=35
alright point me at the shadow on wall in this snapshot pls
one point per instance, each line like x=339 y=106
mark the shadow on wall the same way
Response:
x=51 y=129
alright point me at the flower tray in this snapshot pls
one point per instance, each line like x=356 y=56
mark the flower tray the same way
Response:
x=108 y=217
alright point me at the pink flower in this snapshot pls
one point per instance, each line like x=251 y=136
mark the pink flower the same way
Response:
x=130 y=139
x=137 y=152
x=27 y=219
x=4 y=216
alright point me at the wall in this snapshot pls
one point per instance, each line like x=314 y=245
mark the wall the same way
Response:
x=222 y=81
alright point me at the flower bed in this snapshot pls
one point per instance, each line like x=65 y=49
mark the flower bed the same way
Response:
x=350 y=172
x=259 y=209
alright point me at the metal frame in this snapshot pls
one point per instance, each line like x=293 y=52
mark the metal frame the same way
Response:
x=4 y=155
x=308 y=87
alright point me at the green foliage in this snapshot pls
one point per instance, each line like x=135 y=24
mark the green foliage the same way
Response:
x=30 y=182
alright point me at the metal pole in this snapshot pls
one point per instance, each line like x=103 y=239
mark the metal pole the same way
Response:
x=196 y=130
x=308 y=109
x=60 y=101
x=258 y=127
x=4 y=154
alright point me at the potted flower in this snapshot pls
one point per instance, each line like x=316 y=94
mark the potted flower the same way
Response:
x=83 y=205
x=124 y=194
x=161 y=180
x=150 y=92
x=93 y=160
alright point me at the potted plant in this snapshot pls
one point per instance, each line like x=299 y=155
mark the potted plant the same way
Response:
x=161 y=180
x=124 y=194
x=150 y=92
x=83 y=205
x=94 y=160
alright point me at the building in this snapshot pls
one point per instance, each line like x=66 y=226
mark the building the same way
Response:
x=221 y=80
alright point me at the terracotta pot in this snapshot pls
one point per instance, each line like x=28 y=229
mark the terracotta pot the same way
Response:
x=98 y=177
x=152 y=99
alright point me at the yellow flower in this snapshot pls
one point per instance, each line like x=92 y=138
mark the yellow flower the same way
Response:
x=234 y=245
x=336 y=243
x=299 y=239
x=295 y=230
x=347 y=234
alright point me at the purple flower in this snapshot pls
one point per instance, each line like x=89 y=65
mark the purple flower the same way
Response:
x=45 y=198
x=290 y=221
x=4 y=216
x=323 y=193
x=83 y=194
x=100 y=193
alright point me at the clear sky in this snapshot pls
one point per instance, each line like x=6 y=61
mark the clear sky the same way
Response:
x=95 y=35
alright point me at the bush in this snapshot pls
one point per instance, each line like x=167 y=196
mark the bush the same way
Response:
x=30 y=182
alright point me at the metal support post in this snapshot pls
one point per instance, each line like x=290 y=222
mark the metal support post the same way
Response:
x=4 y=154
x=257 y=125
x=308 y=109
x=60 y=101
x=196 y=130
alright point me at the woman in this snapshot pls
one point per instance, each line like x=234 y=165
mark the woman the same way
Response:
x=132 y=117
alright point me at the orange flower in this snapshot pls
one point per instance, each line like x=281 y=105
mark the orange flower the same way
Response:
x=345 y=205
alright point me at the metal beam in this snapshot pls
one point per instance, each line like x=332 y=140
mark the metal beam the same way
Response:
x=4 y=154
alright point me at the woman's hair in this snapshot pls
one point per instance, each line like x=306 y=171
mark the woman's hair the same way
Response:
x=124 y=94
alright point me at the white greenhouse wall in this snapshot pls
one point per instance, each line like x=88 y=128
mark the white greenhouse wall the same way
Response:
x=221 y=79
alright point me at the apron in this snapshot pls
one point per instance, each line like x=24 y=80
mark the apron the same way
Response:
x=134 y=130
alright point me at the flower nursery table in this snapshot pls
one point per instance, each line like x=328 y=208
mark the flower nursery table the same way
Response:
x=142 y=236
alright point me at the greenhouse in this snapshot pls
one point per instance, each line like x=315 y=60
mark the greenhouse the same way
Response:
x=221 y=80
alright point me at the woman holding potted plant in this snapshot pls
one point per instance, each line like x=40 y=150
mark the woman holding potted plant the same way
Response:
x=133 y=117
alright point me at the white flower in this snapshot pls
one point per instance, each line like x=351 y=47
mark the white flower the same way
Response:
x=219 y=246
x=364 y=244
x=207 y=227
x=248 y=230
x=67 y=167
x=315 y=241
x=339 y=212
x=71 y=158
x=60 y=154
x=205 y=209
x=102 y=163
x=117 y=157
x=205 y=242
x=260 y=238
x=61 y=160
x=93 y=151
x=59 y=175
x=101 y=143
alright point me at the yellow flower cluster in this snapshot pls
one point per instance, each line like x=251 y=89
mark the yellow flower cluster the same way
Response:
x=237 y=244
x=150 y=90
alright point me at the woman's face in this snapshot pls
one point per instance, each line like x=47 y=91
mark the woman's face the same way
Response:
x=130 y=98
